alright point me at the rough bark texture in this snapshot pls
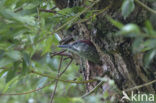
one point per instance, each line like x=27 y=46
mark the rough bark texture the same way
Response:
x=118 y=61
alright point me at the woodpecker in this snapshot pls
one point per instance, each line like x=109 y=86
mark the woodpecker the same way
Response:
x=61 y=4
x=85 y=49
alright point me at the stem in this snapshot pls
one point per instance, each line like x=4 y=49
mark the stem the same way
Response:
x=28 y=91
x=145 y=7
x=67 y=81
x=94 y=89
x=53 y=93
x=140 y=86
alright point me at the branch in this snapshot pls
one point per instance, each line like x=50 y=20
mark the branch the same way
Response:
x=140 y=86
x=68 y=22
x=66 y=67
x=53 y=93
x=49 y=11
x=94 y=15
x=67 y=81
x=94 y=89
x=28 y=91
x=145 y=7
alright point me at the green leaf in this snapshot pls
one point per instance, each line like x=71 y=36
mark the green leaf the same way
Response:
x=130 y=29
x=64 y=99
x=137 y=45
x=26 y=63
x=48 y=44
x=15 y=55
x=5 y=61
x=127 y=7
x=106 y=94
x=8 y=84
x=12 y=72
x=148 y=57
x=149 y=28
x=29 y=20
x=115 y=22
x=2 y=2
x=149 y=44
x=10 y=75
x=3 y=72
x=42 y=82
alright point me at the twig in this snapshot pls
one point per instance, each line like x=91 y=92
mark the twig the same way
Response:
x=96 y=14
x=53 y=93
x=145 y=7
x=49 y=11
x=140 y=86
x=62 y=80
x=57 y=53
x=94 y=89
x=59 y=75
x=66 y=67
x=61 y=53
x=28 y=91
x=70 y=21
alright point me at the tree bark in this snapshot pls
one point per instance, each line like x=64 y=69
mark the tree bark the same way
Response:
x=118 y=61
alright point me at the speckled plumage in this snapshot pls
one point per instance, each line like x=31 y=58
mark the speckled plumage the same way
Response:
x=85 y=49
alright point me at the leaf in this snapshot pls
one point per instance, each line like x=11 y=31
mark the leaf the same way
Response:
x=8 y=84
x=26 y=63
x=106 y=94
x=3 y=73
x=127 y=7
x=48 y=44
x=5 y=61
x=15 y=55
x=132 y=29
x=64 y=99
x=29 y=20
x=10 y=75
x=148 y=57
x=41 y=82
x=137 y=45
x=12 y=72
x=149 y=28
x=2 y=2
x=149 y=44
x=115 y=23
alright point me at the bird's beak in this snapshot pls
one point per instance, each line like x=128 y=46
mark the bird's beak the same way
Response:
x=64 y=46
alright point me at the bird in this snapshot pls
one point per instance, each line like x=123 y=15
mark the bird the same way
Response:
x=83 y=48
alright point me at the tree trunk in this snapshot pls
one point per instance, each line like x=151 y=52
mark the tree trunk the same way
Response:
x=118 y=61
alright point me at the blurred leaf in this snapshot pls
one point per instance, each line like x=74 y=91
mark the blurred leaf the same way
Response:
x=127 y=7
x=26 y=63
x=12 y=72
x=8 y=84
x=47 y=47
x=5 y=61
x=3 y=72
x=115 y=23
x=105 y=95
x=148 y=57
x=149 y=28
x=64 y=99
x=131 y=29
x=149 y=44
x=137 y=45
x=23 y=19
x=15 y=55
x=2 y=3
x=77 y=100
x=42 y=82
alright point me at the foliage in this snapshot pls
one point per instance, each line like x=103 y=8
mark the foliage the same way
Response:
x=27 y=39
